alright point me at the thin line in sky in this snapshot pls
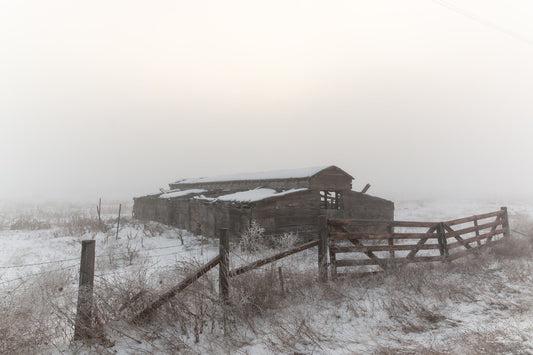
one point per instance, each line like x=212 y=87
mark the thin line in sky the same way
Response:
x=452 y=7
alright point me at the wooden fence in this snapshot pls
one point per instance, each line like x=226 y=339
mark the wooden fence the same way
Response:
x=222 y=260
x=351 y=243
x=402 y=242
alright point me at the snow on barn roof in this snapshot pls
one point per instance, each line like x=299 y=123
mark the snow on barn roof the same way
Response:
x=178 y=193
x=256 y=195
x=265 y=175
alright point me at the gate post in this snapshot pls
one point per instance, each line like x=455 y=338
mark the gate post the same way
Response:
x=323 y=249
x=505 y=222
x=443 y=243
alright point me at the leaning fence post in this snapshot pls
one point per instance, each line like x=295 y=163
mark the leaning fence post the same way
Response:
x=505 y=223
x=82 y=328
x=223 y=267
x=323 y=249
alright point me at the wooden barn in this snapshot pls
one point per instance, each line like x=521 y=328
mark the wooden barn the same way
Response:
x=280 y=201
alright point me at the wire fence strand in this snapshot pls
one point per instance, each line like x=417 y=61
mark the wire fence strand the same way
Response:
x=97 y=256
x=29 y=276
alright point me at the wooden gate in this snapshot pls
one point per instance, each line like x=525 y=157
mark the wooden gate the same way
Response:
x=352 y=245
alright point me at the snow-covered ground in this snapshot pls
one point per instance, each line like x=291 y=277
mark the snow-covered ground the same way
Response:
x=477 y=305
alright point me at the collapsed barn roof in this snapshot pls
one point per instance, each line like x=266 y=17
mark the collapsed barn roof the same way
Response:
x=258 y=186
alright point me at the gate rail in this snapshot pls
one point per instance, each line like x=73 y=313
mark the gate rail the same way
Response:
x=354 y=243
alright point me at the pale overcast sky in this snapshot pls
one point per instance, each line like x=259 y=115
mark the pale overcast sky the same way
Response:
x=114 y=99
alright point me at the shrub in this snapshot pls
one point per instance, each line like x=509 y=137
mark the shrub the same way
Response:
x=29 y=223
x=287 y=241
x=35 y=317
x=253 y=239
x=77 y=224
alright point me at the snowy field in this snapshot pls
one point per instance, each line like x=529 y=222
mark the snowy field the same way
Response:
x=475 y=305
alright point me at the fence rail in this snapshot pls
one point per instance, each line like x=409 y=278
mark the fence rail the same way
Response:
x=270 y=259
x=351 y=245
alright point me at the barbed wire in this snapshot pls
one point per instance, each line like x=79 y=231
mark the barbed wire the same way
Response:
x=97 y=256
x=302 y=255
x=28 y=276
x=233 y=252
x=521 y=233
x=116 y=271
x=36 y=264
x=273 y=235
x=141 y=251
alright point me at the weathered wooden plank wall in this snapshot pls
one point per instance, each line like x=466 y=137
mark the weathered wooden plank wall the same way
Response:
x=153 y=209
x=365 y=207
x=180 y=213
x=296 y=212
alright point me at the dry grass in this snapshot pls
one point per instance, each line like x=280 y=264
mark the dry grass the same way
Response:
x=35 y=317
x=417 y=309
x=28 y=223
x=417 y=300
x=70 y=220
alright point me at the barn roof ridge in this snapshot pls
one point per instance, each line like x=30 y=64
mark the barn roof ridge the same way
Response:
x=299 y=173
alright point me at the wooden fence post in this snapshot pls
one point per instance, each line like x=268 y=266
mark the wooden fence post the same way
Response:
x=99 y=211
x=84 y=311
x=323 y=249
x=505 y=222
x=443 y=243
x=476 y=224
x=223 y=267
x=118 y=220
x=390 y=241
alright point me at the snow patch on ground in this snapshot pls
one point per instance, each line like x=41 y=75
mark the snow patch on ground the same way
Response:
x=473 y=306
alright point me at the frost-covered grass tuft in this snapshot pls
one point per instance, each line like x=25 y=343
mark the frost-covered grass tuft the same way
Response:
x=36 y=317
x=253 y=239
